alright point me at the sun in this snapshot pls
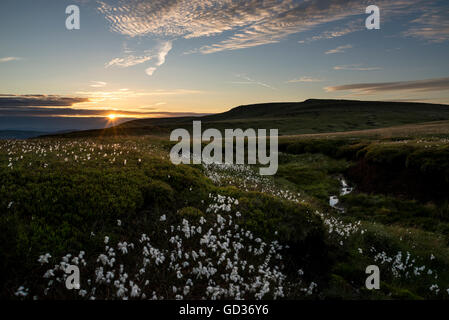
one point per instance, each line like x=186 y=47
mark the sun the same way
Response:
x=112 y=116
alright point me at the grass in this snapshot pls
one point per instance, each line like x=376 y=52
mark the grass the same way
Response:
x=312 y=174
x=393 y=211
x=62 y=196
x=120 y=196
x=397 y=224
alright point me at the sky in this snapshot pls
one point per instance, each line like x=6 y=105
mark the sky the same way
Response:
x=163 y=58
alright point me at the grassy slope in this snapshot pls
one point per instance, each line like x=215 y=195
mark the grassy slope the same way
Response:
x=433 y=128
x=397 y=225
x=308 y=117
x=138 y=193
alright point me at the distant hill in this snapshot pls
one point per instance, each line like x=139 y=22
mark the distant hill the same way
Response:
x=308 y=117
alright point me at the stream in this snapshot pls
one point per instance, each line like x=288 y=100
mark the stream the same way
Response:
x=344 y=190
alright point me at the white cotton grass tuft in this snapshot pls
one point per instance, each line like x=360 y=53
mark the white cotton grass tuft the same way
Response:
x=227 y=268
x=22 y=292
x=212 y=258
x=44 y=258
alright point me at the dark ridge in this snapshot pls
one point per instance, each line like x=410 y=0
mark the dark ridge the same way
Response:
x=310 y=116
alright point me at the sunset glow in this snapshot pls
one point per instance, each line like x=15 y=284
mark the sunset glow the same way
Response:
x=144 y=59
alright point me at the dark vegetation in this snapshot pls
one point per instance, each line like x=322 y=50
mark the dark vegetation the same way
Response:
x=411 y=168
x=72 y=209
x=400 y=196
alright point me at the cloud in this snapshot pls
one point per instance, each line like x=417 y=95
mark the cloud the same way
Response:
x=96 y=96
x=305 y=79
x=60 y=112
x=356 y=67
x=128 y=61
x=163 y=51
x=98 y=84
x=438 y=84
x=339 y=49
x=352 y=26
x=251 y=81
x=150 y=71
x=39 y=105
x=160 y=54
x=8 y=59
x=431 y=25
x=151 y=106
x=38 y=100
x=72 y=112
x=243 y=23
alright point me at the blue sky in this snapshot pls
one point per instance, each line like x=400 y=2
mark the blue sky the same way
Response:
x=179 y=57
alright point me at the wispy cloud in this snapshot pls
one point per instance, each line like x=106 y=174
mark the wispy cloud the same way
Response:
x=8 y=59
x=41 y=105
x=97 y=96
x=128 y=61
x=38 y=100
x=356 y=67
x=98 y=84
x=163 y=51
x=72 y=112
x=152 y=106
x=431 y=25
x=352 y=26
x=149 y=71
x=250 y=81
x=244 y=23
x=437 y=84
x=305 y=79
x=339 y=49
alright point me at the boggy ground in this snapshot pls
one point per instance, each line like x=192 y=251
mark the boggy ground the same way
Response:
x=141 y=228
